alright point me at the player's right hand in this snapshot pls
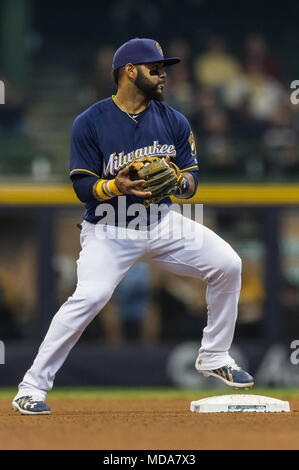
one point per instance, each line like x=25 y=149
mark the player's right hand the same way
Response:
x=128 y=186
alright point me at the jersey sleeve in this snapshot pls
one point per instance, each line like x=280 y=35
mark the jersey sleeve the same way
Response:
x=186 y=153
x=85 y=155
x=83 y=185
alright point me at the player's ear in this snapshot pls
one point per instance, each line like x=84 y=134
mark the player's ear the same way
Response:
x=131 y=70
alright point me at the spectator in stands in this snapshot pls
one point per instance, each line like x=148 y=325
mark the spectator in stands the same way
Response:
x=281 y=142
x=216 y=67
x=180 y=92
x=220 y=154
x=244 y=126
x=256 y=53
x=204 y=102
x=178 y=47
x=263 y=93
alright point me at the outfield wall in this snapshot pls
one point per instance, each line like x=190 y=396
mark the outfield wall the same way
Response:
x=155 y=365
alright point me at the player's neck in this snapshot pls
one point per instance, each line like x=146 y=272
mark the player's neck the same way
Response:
x=130 y=101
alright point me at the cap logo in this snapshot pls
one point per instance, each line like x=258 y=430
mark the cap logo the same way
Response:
x=159 y=49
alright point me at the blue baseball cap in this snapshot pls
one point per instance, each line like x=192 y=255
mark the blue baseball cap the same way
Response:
x=141 y=51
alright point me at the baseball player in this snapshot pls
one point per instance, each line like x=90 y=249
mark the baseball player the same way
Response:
x=107 y=140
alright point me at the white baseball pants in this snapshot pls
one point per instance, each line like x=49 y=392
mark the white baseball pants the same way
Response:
x=177 y=244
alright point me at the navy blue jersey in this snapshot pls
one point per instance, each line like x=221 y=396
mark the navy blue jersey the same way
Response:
x=105 y=139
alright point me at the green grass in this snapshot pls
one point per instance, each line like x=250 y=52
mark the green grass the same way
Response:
x=157 y=392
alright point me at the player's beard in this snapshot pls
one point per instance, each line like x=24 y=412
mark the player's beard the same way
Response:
x=150 y=90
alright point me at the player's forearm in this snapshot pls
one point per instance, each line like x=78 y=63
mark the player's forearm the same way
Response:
x=188 y=187
x=83 y=185
x=89 y=188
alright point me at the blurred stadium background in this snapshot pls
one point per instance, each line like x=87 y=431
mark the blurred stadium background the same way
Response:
x=234 y=87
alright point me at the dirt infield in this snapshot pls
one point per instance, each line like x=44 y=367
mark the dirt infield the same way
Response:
x=149 y=424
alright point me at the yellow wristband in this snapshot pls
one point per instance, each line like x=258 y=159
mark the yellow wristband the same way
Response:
x=106 y=189
x=100 y=190
x=113 y=188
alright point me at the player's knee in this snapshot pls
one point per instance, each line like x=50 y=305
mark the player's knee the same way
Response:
x=99 y=297
x=94 y=296
x=233 y=266
x=226 y=269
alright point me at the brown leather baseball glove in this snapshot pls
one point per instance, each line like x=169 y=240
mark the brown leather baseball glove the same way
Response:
x=162 y=178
